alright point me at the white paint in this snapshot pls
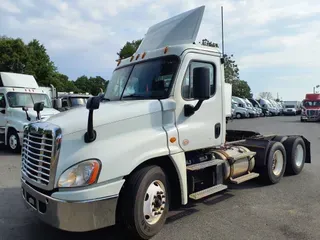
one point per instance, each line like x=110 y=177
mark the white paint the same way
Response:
x=17 y=80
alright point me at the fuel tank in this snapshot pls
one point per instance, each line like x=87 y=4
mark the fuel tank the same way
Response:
x=239 y=160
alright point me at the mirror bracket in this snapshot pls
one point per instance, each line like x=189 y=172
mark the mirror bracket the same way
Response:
x=189 y=110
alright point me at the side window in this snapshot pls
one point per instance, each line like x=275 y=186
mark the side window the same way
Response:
x=187 y=84
x=2 y=101
x=65 y=103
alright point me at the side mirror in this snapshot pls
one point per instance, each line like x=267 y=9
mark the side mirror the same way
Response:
x=25 y=109
x=3 y=111
x=57 y=103
x=201 y=89
x=38 y=107
x=201 y=83
x=93 y=103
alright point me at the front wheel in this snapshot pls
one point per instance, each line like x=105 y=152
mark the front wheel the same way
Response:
x=238 y=115
x=13 y=141
x=144 y=204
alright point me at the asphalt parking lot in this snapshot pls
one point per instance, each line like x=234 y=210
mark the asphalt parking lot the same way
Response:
x=287 y=210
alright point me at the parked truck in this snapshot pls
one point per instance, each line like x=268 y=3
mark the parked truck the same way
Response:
x=311 y=107
x=63 y=101
x=18 y=94
x=147 y=147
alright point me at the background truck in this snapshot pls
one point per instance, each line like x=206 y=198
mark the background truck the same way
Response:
x=63 y=101
x=311 y=107
x=18 y=94
x=148 y=146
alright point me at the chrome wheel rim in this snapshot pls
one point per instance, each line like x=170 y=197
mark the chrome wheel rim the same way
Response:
x=277 y=163
x=299 y=155
x=154 y=202
x=13 y=142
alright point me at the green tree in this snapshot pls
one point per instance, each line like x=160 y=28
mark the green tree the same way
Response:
x=231 y=70
x=240 y=88
x=129 y=49
x=39 y=64
x=13 y=55
x=17 y=57
x=92 y=85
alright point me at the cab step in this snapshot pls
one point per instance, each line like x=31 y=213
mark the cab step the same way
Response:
x=202 y=165
x=244 y=178
x=207 y=192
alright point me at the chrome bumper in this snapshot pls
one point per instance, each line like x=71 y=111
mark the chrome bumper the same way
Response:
x=79 y=216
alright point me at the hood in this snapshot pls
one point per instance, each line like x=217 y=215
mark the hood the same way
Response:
x=76 y=119
x=20 y=114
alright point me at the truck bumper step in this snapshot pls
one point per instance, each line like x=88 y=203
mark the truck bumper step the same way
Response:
x=198 y=166
x=207 y=192
x=244 y=178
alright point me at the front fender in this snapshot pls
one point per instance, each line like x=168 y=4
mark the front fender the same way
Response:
x=120 y=146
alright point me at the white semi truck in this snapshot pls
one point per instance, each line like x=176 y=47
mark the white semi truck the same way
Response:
x=149 y=145
x=18 y=94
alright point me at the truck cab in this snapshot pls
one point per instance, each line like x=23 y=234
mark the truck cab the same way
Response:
x=256 y=104
x=311 y=108
x=70 y=100
x=267 y=105
x=18 y=94
x=154 y=140
x=242 y=104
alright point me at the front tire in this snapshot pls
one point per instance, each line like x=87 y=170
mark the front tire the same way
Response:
x=238 y=115
x=276 y=163
x=144 y=204
x=13 y=141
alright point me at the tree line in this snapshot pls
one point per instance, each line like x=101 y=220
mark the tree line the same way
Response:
x=32 y=58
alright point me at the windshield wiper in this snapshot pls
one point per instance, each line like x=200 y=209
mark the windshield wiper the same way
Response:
x=137 y=96
x=105 y=99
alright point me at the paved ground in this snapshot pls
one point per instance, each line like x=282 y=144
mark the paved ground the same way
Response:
x=288 y=210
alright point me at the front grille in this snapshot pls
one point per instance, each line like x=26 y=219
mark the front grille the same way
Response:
x=40 y=152
x=36 y=156
x=312 y=112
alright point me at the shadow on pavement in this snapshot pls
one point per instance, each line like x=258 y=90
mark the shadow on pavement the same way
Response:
x=18 y=222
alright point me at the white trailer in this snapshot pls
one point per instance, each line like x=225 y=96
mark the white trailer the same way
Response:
x=18 y=94
x=147 y=146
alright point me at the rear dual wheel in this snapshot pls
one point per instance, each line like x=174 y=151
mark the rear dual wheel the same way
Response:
x=276 y=163
x=286 y=154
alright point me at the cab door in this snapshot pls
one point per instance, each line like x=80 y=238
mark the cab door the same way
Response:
x=205 y=127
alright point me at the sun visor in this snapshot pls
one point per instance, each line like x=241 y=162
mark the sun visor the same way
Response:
x=181 y=29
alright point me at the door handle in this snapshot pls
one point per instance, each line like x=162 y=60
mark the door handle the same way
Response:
x=217 y=130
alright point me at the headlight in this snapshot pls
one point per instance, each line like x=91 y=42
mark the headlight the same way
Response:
x=81 y=174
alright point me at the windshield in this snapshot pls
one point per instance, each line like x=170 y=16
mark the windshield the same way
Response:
x=145 y=80
x=78 y=101
x=18 y=100
x=289 y=106
x=249 y=104
x=311 y=103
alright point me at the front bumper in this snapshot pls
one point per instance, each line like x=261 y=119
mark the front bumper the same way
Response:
x=310 y=118
x=73 y=216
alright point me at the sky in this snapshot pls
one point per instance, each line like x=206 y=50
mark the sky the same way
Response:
x=276 y=44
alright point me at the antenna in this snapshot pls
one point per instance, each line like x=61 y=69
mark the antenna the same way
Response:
x=222 y=32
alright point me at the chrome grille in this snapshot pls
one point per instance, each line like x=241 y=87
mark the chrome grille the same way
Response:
x=312 y=112
x=40 y=151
